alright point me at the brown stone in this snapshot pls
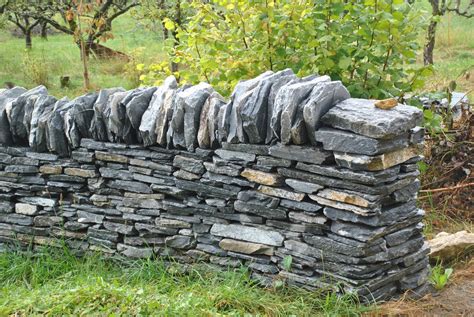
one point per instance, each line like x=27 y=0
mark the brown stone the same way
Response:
x=104 y=156
x=344 y=197
x=245 y=247
x=338 y=205
x=50 y=169
x=80 y=172
x=263 y=178
x=386 y=104
x=377 y=162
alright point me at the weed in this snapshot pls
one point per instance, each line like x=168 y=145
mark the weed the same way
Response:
x=439 y=276
x=35 y=68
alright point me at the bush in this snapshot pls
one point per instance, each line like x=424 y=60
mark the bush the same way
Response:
x=370 y=45
x=35 y=69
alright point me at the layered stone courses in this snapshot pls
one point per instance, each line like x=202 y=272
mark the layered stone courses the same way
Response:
x=289 y=167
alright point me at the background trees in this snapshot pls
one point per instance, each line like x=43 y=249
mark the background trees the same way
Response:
x=438 y=9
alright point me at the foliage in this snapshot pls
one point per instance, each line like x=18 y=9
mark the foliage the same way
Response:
x=439 y=276
x=287 y=261
x=369 y=45
x=56 y=283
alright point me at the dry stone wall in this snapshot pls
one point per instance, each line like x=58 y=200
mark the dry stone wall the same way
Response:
x=289 y=167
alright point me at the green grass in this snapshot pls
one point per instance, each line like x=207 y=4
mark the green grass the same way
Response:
x=454 y=52
x=56 y=283
x=59 y=56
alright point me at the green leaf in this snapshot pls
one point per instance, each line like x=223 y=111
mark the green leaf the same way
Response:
x=344 y=63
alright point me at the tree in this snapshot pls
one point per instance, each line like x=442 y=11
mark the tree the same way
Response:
x=96 y=17
x=438 y=9
x=23 y=14
x=171 y=14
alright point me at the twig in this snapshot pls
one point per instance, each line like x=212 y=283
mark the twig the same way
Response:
x=444 y=189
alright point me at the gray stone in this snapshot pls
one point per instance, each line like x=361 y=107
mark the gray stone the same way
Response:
x=189 y=164
x=282 y=193
x=98 y=128
x=16 y=112
x=343 y=141
x=289 y=100
x=179 y=242
x=259 y=210
x=175 y=133
x=78 y=118
x=226 y=170
x=55 y=131
x=249 y=234
x=240 y=96
x=115 y=174
x=205 y=190
x=135 y=187
x=305 y=218
x=40 y=201
x=26 y=209
x=301 y=154
x=135 y=104
x=6 y=99
x=322 y=98
x=300 y=205
x=235 y=156
x=208 y=121
x=363 y=177
x=150 y=116
x=16 y=219
x=21 y=169
x=257 y=198
x=43 y=104
x=134 y=252
x=362 y=117
x=254 y=112
x=119 y=227
x=87 y=217
x=165 y=114
x=303 y=187
x=381 y=189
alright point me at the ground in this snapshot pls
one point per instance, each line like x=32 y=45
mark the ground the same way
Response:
x=457 y=299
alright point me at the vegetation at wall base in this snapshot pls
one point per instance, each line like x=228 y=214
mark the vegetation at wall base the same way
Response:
x=54 y=282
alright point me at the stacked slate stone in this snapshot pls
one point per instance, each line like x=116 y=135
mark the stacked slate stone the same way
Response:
x=289 y=170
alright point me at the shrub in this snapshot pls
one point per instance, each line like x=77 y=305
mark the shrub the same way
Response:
x=35 y=69
x=368 y=44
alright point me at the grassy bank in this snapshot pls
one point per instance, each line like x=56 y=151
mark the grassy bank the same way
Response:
x=55 y=283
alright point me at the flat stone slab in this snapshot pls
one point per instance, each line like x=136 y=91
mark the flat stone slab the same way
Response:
x=378 y=162
x=249 y=234
x=362 y=117
x=344 y=141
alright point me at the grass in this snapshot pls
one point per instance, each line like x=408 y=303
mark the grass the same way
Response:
x=55 y=282
x=59 y=56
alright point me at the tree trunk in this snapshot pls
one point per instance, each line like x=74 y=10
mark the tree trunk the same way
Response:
x=28 y=42
x=177 y=22
x=430 y=43
x=44 y=30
